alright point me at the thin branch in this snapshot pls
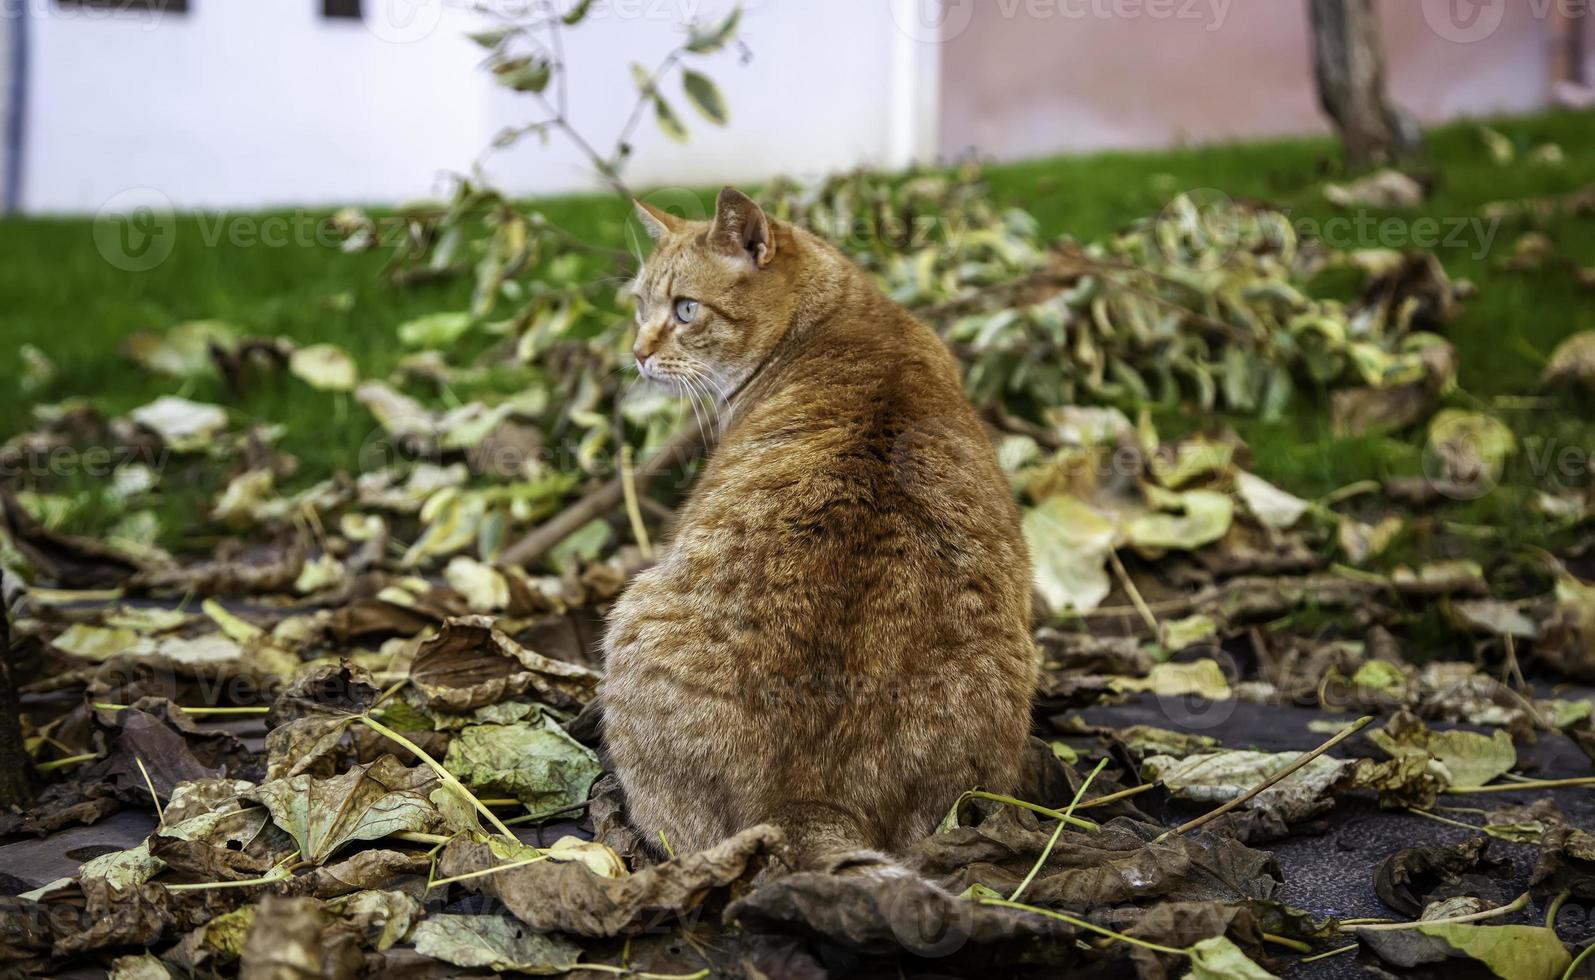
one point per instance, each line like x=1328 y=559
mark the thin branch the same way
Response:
x=1555 y=908
x=1284 y=773
x=623 y=971
x=628 y=483
x=160 y=812
x=1134 y=593
x=1045 y=811
x=1083 y=924
x=70 y=760
x=1122 y=794
x=685 y=446
x=644 y=99
x=1057 y=832
x=1516 y=906
x=1287 y=942
x=1526 y=784
x=1333 y=952
x=1572 y=968
x=443 y=774
x=484 y=872
x=557 y=39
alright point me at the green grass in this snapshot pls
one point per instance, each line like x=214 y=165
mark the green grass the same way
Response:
x=64 y=298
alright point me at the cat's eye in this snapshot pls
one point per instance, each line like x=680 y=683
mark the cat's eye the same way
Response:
x=686 y=310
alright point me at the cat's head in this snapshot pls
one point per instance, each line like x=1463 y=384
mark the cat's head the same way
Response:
x=715 y=297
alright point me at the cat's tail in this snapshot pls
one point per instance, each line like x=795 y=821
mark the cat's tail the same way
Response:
x=826 y=838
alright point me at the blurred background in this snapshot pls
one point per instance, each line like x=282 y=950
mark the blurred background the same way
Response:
x=248 y=104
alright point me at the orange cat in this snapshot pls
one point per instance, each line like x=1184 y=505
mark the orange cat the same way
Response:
x=838 y=641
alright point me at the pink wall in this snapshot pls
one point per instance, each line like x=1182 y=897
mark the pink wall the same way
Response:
x=1022 y=78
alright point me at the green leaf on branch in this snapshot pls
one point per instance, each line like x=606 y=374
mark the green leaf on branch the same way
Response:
x=709 y=39
x=668 y=120
x=704 y=94
x=523 y=74
x=578 y=13
x=493 y=38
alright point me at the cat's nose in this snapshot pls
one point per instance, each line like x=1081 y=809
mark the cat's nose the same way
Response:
x=642 y=353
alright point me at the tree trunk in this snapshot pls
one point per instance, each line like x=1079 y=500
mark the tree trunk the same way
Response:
x=1349 y=61
x=1567 y=45
x=16 y=769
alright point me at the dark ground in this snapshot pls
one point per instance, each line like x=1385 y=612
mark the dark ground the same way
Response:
x=1328 y=868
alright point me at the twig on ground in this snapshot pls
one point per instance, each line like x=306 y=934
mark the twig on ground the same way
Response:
x=623 y=971
x=1572 y=968
x=1141 y=608
x=1045 y=811
x=1516 y=906
x=683 y=447
x=1333 y=952
x=70 y=760
x=1122 y=794
x=1057 y=832
x=443 y=774
x=1277 y=777
x=149 y=784
x=1526 y=784
x=1083 y=924
x=484 y=872
x=628 y=485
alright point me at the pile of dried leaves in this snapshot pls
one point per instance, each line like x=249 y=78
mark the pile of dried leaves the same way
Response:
x=365 y=727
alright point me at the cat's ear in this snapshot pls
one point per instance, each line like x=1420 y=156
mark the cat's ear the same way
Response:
x=657 y=221
x=742 y=229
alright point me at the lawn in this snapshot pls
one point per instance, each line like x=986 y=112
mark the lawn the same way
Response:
x=65 y=299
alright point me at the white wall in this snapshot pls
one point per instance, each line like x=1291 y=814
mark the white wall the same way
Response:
x=239 y=103
x=250 y=103
x=1024 y=78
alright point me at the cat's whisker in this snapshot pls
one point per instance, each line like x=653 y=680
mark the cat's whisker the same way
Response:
x=710 y=409
x=686 y=385
x=723 y=406
x=705 y=377
x=691 y=378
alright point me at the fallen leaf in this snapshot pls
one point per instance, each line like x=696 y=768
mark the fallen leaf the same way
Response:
x=1411 y=878
x=1203 y=517
x=566 y=896
x=496 y=942
x=1269 y=504
x=1385 y=189
x=325 y=367
x=470 y=663
x=535 y=762
x=184 y=351
x=1200 y=678
x=1469 y=759
x=184 y=426
x=1220 y=959
x=1518 y=952
x=1573 y=362
x=293 y=938
x=1069 y=544
x=368 y=802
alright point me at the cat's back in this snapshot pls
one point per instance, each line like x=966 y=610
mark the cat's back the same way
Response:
x=861 y=499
